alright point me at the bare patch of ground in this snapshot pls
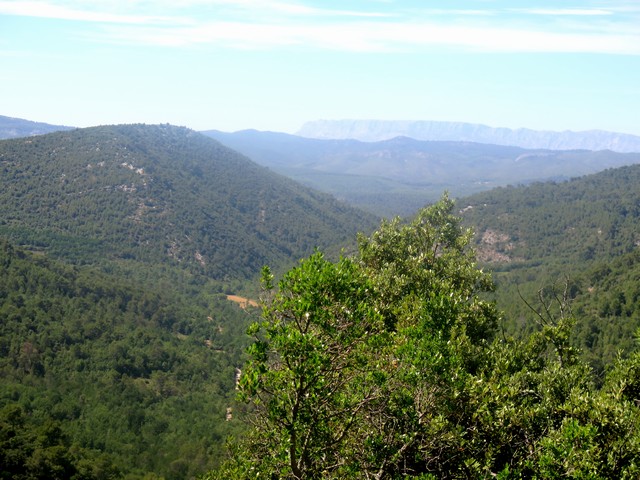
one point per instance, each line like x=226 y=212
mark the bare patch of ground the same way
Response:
x=495 y=247
x=242 y=302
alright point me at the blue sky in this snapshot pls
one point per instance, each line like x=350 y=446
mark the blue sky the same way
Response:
x=274 y=64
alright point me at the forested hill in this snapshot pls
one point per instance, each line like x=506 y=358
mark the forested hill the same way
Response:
x=582 y=235
x=161 y=194
x=119 y=350
x=587 y=218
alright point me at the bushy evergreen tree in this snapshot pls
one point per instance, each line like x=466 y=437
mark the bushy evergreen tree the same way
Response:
x=387 y=365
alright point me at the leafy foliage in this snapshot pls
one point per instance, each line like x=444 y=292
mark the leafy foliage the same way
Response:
x=386 y=365
x=307 y=366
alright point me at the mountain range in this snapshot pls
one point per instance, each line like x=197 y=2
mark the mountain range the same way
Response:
x=400 y=175
x=376 y=130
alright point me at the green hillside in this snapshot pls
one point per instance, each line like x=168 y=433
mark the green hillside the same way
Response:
x=120 y=352
x=100 y=378
x=161 y=195
x=582 y=234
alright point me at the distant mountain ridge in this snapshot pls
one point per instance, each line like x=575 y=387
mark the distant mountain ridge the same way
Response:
x=17 y=127
x=400 y=175
x=377 y=130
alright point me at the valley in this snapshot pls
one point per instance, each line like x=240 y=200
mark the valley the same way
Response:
x=397 y=176
x=131 y=259
x=128 y=254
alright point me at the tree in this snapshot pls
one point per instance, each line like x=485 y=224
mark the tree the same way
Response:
x=386 y=365
x=427 y=288
x=309 y=375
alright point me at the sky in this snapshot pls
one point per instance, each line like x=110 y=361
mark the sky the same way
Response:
x=275 y=64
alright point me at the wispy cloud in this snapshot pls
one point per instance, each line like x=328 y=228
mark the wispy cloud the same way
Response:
x=262 y=24
x=269 y=9
x=385 y=37
x=45 y=9
x=580 y=12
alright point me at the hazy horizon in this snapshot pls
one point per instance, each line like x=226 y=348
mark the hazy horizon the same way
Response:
x=276 y=64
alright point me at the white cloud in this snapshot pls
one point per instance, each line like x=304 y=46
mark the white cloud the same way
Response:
x=102 y=11
x=581 y=12
x=289 y=8
x=382 y=37
x=62 y=12
x=262 y=24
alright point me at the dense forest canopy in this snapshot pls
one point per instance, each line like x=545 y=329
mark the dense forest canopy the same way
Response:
x=101 y=378
x=161 y=194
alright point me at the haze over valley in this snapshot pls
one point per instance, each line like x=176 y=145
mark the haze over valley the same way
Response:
x=400 y=175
